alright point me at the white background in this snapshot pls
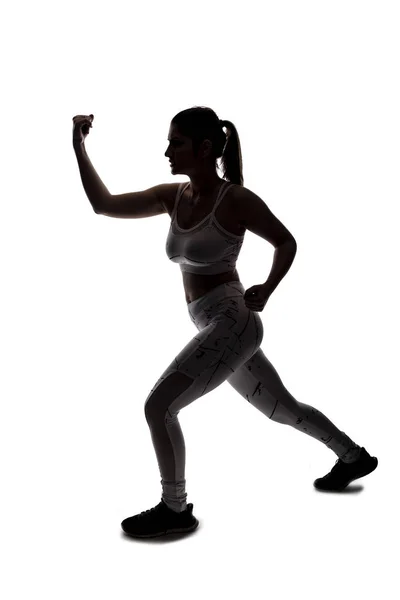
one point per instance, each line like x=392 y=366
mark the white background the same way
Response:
x=93 y=311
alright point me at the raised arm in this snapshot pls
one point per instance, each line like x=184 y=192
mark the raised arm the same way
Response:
x=133 y=205
x=95 y=189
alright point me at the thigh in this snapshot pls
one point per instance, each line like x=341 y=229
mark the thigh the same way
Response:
x=259 y=383
x=208 y=360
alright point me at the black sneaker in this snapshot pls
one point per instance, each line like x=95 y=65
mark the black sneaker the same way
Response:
x=160 y=520
x=343 y=473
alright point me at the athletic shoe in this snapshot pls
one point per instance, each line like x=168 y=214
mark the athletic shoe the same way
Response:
x=343 y=473
x=160 y=520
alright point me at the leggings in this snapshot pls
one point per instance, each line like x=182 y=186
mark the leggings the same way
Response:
x=226 y=348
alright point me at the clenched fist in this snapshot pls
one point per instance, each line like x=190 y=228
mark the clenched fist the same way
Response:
x=81 y=126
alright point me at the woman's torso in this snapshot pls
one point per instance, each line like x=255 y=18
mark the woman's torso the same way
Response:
x=189 y=216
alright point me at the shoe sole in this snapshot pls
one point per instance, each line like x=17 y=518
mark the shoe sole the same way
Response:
x=176 y=530
x=372 y=466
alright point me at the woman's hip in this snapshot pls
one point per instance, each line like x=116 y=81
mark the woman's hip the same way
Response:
x=224 y=319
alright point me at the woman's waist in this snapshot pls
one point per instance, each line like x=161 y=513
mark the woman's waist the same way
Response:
x=199 y=285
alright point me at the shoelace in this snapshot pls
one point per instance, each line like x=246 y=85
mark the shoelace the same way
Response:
x=146 y=512
x=340 y=462
x=337 y=463
x=150 y=510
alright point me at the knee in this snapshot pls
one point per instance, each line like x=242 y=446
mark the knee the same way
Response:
x=287 y=412
x=148 y=411
x=159 y=401
x=154 y=410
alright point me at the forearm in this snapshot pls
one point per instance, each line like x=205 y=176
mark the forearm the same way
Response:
x=95 y=189
x=283 y=258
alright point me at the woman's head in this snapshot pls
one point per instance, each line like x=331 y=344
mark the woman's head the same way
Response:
x=197 y=139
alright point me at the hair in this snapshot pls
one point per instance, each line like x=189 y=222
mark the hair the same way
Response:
x=200 y=123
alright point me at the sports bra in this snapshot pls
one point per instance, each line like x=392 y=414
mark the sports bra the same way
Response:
x=207 y=248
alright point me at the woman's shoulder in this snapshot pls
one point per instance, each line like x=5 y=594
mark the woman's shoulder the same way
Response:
x=169 y=193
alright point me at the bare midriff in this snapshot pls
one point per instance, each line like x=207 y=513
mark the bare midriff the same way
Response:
x=198 y=285
x=189 y=216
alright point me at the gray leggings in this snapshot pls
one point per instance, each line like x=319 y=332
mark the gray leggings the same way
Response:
x=226 y=348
